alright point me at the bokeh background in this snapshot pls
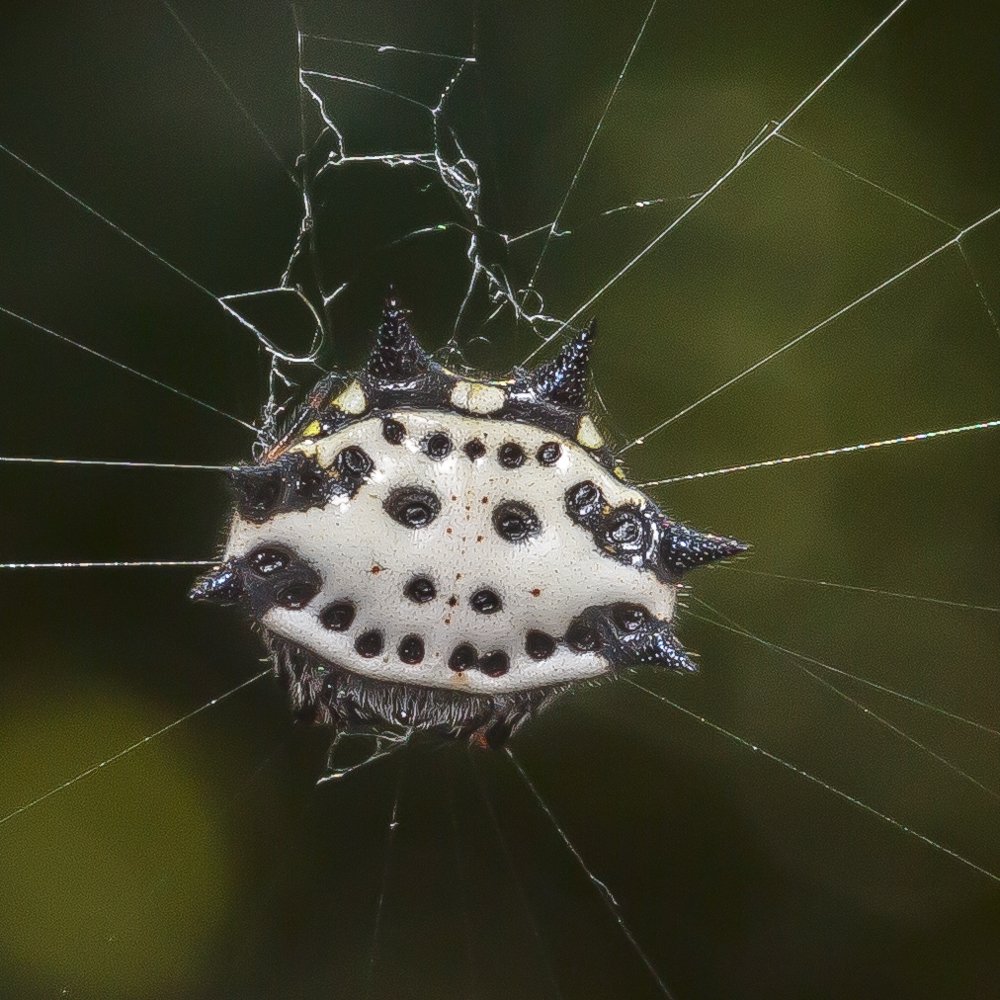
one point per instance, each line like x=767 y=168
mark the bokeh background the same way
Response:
x=205 y=863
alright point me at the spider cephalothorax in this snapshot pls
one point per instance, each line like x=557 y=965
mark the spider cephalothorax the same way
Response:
x=432 y=550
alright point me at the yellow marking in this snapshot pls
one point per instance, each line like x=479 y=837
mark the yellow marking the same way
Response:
x=478 y=397
x=351 y=400
x=619 y=472
x=312 y=429
x=588 y=435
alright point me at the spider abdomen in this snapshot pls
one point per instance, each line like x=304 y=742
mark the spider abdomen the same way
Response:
x=435 y=552
x=462 y=547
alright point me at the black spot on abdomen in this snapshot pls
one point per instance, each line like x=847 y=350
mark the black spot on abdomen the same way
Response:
x=583 y=638
x=338 y=617
x=584 y=501
x=393 y=431
x=353 y=465
x=515 y=521
x=539 y=645
x=510 y=455
x=486 y=602
x=437 y=446
x=549 y=453
x=463 y=657
x=369 y=644
x=495 y=664
x=296 y=595
x=624 y=531
x=420 y=590
x=411 y=649
x=475 y=449
x=412 y=506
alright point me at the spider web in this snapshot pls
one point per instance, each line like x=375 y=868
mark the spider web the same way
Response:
x=786 y=226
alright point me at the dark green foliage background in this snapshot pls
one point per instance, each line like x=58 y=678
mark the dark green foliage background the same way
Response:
x=204 y=864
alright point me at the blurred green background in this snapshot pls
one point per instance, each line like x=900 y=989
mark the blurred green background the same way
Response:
x=205 y=863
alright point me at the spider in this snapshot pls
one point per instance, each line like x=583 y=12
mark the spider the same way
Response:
x=433 y=550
